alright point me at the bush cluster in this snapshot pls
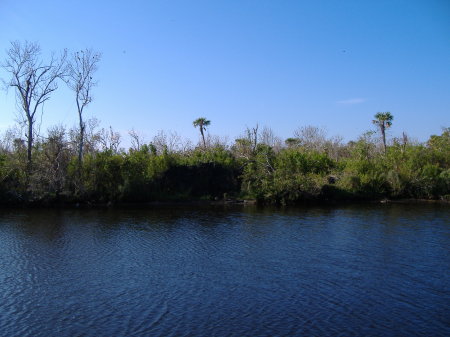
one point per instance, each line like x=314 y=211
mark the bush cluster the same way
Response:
x=247 y=169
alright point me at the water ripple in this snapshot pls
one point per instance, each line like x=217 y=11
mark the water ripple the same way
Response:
x=351 y=271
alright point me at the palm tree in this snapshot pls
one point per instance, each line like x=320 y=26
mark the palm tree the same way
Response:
x=384 y=121
x=202 y=123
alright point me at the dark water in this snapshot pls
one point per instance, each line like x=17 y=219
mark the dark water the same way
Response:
x=191 y=271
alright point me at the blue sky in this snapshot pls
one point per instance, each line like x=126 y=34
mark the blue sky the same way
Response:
x=284 y=64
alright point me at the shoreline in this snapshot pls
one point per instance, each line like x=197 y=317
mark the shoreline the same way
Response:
x=228 y=202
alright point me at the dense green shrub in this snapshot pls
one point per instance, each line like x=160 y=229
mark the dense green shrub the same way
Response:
x=248 y=169
x=102 y=176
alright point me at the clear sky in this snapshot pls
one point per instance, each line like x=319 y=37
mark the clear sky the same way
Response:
x=279 y=63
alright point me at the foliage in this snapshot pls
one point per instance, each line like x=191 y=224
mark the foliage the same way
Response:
x=248 y=169
x=86 y=164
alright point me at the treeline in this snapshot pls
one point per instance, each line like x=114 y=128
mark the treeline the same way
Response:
x=309 y=167
x=87 y=165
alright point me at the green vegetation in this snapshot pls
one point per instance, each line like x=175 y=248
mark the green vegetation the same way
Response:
x=384 y=121
x=202 y=123
x=86 y=164
x=314 y=169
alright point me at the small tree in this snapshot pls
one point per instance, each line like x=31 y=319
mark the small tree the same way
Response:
x=311 y=138
x=51 y=163
x=137 y=140
x=202 y=123
x=292 y=142
x=81 y=68
x=269 y=138
x=33 y=81
x=384 y=121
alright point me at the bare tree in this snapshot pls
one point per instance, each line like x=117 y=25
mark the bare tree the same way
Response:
x=169 y=141
x=173 y=141
x=109 y=140
x=9 y=138
x=81 y=67
x=311 y=137
x=216 y=141
x=268 y=137
x=92 y=136
x=33 y=81
x=245 y=146
x=334 y=147
x=137 y=139
x=251 y=134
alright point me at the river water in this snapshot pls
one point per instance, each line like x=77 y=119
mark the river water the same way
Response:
x=371 y=270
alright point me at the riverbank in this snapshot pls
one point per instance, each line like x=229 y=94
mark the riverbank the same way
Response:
x=227 y=202
x=290 y=175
